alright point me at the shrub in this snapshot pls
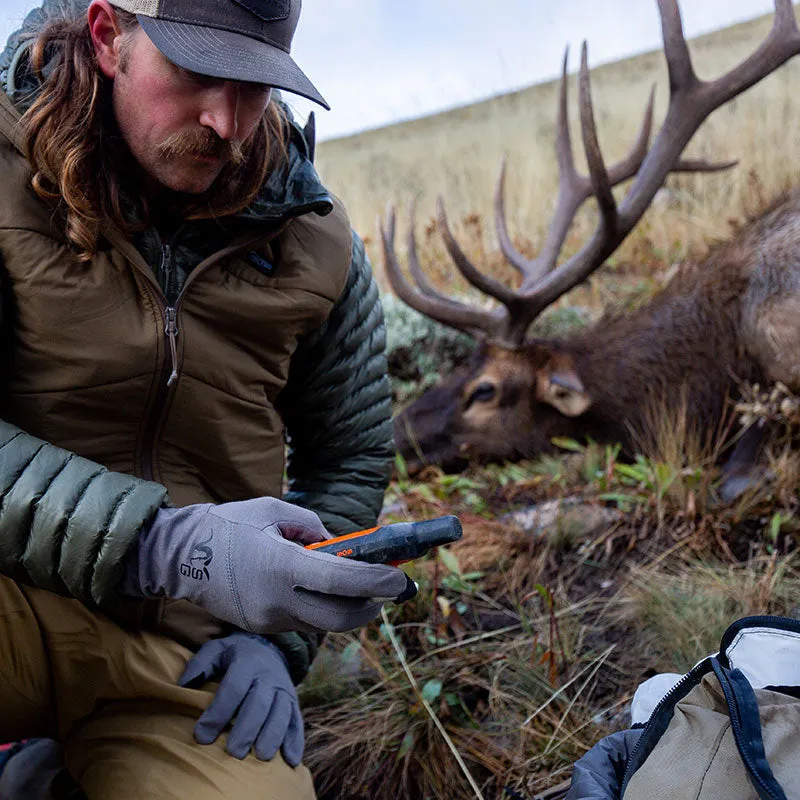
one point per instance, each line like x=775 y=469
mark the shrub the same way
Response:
x=420 y=350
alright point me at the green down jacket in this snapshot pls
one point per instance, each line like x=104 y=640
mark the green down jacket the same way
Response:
x=64 y=518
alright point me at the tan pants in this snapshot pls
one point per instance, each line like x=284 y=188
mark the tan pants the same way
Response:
x=110 y=697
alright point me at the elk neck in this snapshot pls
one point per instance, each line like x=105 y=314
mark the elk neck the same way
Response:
x=683 y=349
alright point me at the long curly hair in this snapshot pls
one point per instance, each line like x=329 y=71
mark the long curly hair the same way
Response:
x=78 y=156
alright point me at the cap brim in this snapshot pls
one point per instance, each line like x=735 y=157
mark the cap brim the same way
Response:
x=228 y=55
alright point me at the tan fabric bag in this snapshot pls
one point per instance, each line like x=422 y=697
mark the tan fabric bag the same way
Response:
x=731 y=727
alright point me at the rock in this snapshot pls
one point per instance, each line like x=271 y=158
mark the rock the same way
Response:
x=568 y=519
x=399 y=509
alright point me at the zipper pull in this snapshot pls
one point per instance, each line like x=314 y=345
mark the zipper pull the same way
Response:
x=171 y=330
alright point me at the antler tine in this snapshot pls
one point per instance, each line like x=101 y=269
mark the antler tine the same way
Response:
x=513 y=256
x=569 y=181
x=676 y=51
x=448 y=312
x=629 y=166
x=484 y=283
x=701 y=165
x=598 y=175
x=784 y=14
x=566 y=161
x=417 y=273
x=573 y=190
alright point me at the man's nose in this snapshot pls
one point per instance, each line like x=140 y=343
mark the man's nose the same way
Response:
x=221 y=109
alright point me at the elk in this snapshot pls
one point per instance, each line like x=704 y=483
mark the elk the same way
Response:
x=734 y=317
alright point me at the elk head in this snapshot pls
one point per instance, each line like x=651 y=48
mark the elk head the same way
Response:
x=502 y=404
x=515 y=394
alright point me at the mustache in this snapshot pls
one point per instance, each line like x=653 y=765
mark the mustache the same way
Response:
x=204 y=143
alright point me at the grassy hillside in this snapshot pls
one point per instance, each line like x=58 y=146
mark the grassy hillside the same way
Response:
x=458 y=154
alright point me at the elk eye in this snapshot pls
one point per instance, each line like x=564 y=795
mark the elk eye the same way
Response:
x=482 y=393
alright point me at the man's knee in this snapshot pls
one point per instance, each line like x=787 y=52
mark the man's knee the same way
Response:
x=25 y=687
x=147 y=749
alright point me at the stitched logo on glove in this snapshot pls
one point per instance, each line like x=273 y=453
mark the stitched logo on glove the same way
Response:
x=202 y=556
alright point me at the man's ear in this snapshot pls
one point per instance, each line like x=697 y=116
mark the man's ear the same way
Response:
x=558 y=384
x=106 y=36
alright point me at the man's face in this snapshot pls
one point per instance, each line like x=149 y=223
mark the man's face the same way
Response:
x=181 y=127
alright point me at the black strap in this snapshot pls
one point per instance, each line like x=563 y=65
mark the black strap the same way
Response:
x=746 y=727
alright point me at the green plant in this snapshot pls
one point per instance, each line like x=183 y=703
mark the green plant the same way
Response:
x=419 y=350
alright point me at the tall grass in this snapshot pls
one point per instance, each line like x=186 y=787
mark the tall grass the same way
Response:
x=680 y=613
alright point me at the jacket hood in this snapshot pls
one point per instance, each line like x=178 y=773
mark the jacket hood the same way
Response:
x=16 y=78
x=290 y=191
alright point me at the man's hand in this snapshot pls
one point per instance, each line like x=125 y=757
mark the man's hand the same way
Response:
x=256 y=688
x=244 y=563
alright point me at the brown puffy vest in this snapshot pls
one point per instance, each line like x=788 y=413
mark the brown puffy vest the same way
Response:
x=90 y=355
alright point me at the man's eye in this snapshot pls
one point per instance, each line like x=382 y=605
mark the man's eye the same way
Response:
x=196 y=78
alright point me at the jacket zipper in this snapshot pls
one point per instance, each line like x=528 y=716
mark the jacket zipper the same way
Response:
x=170 y=371
x=166 y=379
x=171 y=330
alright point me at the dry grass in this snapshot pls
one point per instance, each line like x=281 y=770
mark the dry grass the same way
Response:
x=681 y=612
x=525 y=650
x=514 y=704
x=521 y=694
x=458 y=154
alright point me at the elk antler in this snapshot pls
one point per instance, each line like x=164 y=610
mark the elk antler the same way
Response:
x=691 y=101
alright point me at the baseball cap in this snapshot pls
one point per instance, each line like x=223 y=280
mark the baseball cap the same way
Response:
x=239 y=40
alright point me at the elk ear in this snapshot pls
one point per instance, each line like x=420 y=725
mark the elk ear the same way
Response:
x=562 y=388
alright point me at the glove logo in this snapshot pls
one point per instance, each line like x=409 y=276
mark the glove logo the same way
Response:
x=197 y=567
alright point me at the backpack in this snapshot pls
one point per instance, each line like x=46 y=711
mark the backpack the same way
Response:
x=33 y=769
x=730 y=728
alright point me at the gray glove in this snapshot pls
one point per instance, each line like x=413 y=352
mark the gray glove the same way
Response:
x=244 y=563
x=255 y=687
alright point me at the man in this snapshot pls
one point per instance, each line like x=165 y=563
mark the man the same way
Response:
x=179 y=290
